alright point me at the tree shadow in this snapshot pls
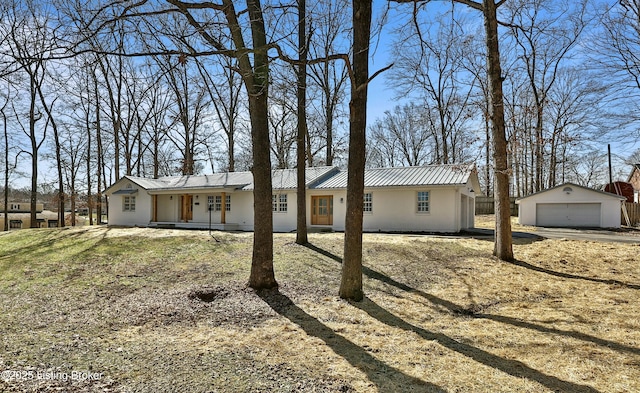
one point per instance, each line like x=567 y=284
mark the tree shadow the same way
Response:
x=461 y=310
x=385 y=377
x=512 y=367
x=540 y=269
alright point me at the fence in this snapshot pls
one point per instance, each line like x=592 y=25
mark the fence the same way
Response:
x=633 y=209
x=484 y=205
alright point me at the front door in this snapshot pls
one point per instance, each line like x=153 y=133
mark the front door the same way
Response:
x=322 y=210
x=187 y=208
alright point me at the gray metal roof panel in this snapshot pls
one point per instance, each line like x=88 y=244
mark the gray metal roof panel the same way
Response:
x=603 y=193
x=285 y=179
x=453 y=174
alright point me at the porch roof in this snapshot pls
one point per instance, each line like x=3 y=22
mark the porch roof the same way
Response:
x=282 y=179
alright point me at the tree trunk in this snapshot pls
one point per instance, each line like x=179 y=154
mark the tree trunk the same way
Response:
x=503 y=243
x=257 y=82
x=301 y=222
x=6 y=169
x=34 y=154
x=351 y=282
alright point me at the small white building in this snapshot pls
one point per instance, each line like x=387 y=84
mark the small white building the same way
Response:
x=434 y=198
x=570 y=205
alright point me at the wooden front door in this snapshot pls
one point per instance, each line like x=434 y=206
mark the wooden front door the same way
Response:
x=322 y=210
x=187 y=208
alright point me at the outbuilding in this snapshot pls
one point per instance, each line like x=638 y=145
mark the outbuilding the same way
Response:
x=570 y=205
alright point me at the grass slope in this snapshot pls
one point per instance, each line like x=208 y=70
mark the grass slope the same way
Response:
x=142 y=310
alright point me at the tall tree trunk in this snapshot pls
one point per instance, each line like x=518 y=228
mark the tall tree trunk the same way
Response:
x=503 y=243
x=329 y=119
x=6 y=168
x=88 y=162
x=256 y=80
x=34 y=153
x=301 y=222
x=351 y=282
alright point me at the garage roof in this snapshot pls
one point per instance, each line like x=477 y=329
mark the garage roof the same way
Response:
x=606 y=194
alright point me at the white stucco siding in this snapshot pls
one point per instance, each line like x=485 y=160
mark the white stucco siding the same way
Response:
x=285 y=220
x=138 y=217
x=241 y=210
x=528 y=209
x=397 y=210
x=168 y=208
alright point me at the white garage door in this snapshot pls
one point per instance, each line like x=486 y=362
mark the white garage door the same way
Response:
x=568 y=214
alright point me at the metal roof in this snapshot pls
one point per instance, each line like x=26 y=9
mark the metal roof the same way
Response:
x=603 y=193
x=316 y=178
x=217 y=180
x=285 y=179
x=429 y=175
x=282 y=179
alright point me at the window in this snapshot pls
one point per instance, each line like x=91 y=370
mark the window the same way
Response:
x=279 y=203
x=423 y=201
x=129 y=204
x=368 y=203
x=283 y=203
x=214 y=202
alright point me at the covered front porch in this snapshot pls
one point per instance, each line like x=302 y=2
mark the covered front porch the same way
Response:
x=199 y=209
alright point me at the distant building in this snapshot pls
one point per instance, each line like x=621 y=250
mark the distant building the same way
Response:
x=22 y=207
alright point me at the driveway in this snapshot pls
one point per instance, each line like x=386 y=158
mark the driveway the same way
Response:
x=600 y=235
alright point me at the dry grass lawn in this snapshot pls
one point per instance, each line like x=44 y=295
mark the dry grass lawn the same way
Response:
x=144 y=310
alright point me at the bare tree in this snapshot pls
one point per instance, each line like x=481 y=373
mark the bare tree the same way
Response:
x=225 y=98
x=7 y=169
x=29 y=45
x=544 y=34
x=302 y=132
x=403 y=136
x=503 y=248
x=328 y=20
x=429 y=63
x=351 y=279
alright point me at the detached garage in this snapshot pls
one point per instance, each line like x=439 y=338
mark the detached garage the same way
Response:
x=570 y=205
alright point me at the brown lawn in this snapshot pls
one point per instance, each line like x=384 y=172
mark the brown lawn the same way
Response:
x=120 y=310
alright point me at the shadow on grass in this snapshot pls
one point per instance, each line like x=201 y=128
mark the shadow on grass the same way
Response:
x=385 y=377
x=458 y=309
x=540 y=269
x=511 y=367
x=51 y=242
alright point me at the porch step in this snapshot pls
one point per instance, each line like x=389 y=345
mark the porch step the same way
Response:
x=195 y=225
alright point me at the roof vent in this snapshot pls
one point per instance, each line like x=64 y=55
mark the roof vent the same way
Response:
x=567 y=190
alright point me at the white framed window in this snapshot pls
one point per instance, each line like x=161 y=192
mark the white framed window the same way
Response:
x=368 y=203
x=214 y=202
x=423 y=201
x=279 y=203
x=129 y=204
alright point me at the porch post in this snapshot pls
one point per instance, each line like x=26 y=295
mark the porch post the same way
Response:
x=223 y=219
x=154 y=208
